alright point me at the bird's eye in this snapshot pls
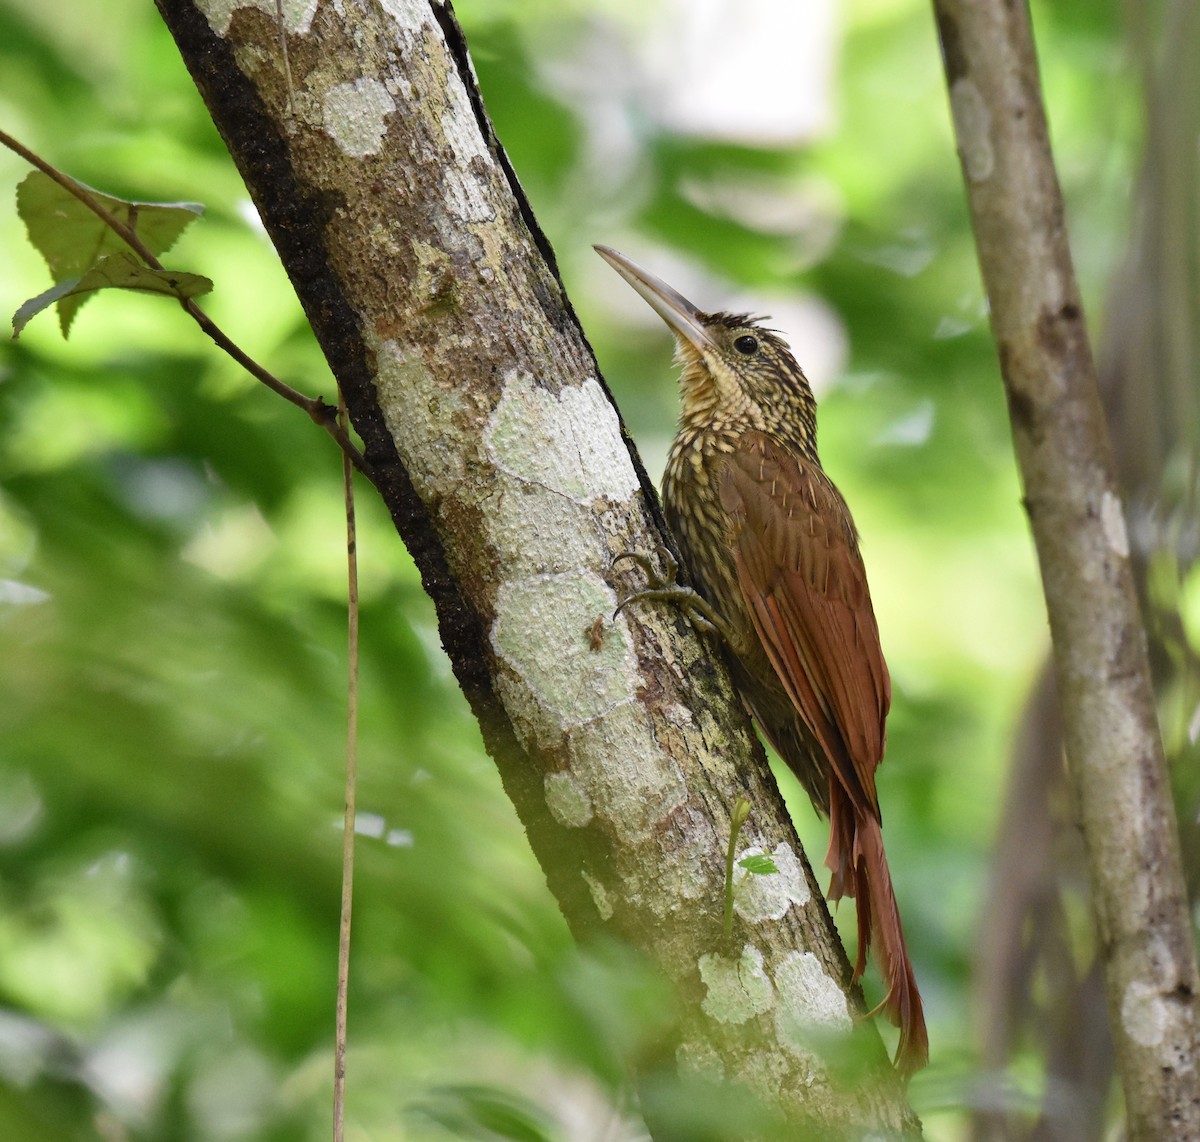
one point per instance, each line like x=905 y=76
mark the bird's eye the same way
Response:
x=746 y=345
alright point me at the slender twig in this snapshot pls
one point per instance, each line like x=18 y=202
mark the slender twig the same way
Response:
x=318 y=411
x=283 y=52
x=737 y=819
x=343 y=973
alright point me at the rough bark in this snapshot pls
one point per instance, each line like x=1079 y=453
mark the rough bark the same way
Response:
x=1117 y=770
x=493 y=441
x=1148 y=355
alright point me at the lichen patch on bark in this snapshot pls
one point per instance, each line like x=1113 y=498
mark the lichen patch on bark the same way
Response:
x=737 y=989
x=617 y=760
x=567 y=800
x=1113 y=519
x=355 y=114
x=534 y=533
x=1144 y=1014
x=539 y=632
x=419 y=414
x=569 y=443
x=810 y=1001
x=558 y=462
x=768 y=897
x=599 y=895
x=297 y=14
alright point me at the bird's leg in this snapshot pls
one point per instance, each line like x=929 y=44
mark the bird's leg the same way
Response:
x=666 y=588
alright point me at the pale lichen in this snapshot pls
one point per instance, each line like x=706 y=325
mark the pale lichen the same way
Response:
x=1112 y=517
x=769 y=896
x=419 y=413
x=569 y=443
x=737 y=989
x=355 y=115
x=539 y=631
x=600 y=896
x=560 y=462
x=408 y=13
x=618 y=761
x=567 y=800
x=1144 y=1014
x=533 y=534
x=297 y=14
x=811 y=1004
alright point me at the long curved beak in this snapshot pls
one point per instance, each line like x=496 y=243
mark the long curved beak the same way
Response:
x=684 y=319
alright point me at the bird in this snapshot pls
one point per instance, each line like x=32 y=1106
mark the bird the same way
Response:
x=772 y=553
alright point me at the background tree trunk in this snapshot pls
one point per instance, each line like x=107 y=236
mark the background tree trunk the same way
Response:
x=490 y=436
x=1116 y=763
x=1149 y=380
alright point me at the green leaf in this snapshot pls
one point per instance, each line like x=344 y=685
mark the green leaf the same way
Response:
x=116 y=271
x=758 y=864
x=73 y=239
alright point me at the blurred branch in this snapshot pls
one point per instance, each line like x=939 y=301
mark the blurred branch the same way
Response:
x=1111 y=732
x=1033 y=988
x=319 y=412
x=1150 y=356
x=351 y=795
x=436 y=300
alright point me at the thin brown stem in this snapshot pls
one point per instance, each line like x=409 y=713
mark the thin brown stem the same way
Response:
x=319 y=412
x=283 y=52
x=322 y=414
x=81 y=192
x=343 y=973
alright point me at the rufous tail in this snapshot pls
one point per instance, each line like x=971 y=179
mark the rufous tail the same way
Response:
x=860 y=869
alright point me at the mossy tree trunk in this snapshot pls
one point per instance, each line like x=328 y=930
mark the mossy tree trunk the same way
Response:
x=491 y=437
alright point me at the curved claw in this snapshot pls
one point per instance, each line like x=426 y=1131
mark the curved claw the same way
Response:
x=666 y=588
x=625 y=602
x=655 y=581
x=670 y=572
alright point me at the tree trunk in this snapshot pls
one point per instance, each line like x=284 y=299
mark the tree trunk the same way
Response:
x=1117 y=770
x=492 y=439
x=1148 y=361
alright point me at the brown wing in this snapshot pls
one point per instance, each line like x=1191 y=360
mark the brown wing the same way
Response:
x=803 y=579
x=800 y=572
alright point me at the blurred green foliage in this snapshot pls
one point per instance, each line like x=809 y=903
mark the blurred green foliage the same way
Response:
x=172 y=622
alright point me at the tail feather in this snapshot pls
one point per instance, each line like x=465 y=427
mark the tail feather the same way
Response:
x=859 y=864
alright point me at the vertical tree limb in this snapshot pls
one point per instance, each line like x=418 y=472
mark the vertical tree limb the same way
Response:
x=1113 y=744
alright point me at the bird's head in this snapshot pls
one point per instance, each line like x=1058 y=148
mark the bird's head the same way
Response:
x=736 y=374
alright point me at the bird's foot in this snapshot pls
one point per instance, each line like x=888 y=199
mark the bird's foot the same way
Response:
x=665 y=587
x=665 y=580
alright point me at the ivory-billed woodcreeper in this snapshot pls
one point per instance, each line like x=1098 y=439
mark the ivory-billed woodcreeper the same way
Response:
x=770 y=546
